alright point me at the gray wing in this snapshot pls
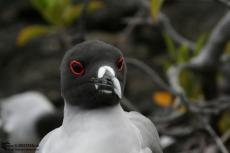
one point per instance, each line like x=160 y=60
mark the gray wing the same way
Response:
x=147 y=130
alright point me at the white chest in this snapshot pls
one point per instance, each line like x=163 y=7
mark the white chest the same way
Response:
x=99 y=133
x=111 y=140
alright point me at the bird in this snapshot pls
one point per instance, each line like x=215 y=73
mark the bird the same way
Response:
x=27 y=117
x=93 y=77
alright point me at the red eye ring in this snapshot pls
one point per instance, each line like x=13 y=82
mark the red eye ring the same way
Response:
x=120 y=63
x=76 y=68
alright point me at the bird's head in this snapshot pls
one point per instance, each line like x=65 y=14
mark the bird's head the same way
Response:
x=93 y=75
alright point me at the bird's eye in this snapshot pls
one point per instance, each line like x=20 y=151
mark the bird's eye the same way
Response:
x=76 y=68
x=120 y=63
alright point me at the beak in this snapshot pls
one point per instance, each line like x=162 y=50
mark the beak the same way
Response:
x=107 y=75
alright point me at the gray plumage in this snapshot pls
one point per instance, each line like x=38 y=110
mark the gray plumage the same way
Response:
x=94 y=121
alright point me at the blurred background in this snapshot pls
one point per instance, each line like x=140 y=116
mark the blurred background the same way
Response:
x=177 y=53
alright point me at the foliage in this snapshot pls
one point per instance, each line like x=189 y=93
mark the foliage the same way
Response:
x=177 y=54
x=155 y=8
x=62 y=12
x=171 y=47
x=200 y=43
x=31 y=32
x=191 y=84
x=181 y=54
x=58 y=13
x=227 y=48
x=224 y=122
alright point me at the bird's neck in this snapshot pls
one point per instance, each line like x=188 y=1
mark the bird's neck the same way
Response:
x=76 y=118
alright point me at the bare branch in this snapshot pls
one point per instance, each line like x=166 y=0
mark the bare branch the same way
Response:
x=148 y=70
x=211 y=107
x=226 y=136
x=217 y=139
x=173 y=77
x=210 y=55
x=167 y=26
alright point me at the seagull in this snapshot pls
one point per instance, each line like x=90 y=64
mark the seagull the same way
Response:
x=23 y=116
x=93 y=76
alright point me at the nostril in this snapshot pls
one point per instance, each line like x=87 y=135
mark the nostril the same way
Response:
x=108 y=79
x=104 y=80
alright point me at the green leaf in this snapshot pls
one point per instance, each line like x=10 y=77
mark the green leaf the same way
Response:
x=73 y=12
x=183 y=53
x=95 y=5
x=171 y=48
x=40 y=5
x=227 y=48
x=224 y=122
x=62 y=12
x=56 y=10
x=52 y=10
x=155 y=8
x=191 y=84
x=30 y=32
x=200 y=44
x=167 y=64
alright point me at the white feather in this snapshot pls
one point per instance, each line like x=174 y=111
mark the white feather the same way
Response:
x=19 y=114
x=104 y=130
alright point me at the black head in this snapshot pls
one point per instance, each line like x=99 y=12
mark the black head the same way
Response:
x=93 y=75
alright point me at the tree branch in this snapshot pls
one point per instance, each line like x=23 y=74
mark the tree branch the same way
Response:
x=167 y=26
x=217 y=139
x=210 y=55
x=148 y=70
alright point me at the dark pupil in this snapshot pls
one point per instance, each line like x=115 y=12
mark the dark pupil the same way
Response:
x=77 y=68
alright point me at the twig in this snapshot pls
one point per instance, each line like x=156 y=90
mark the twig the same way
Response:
x=165 y=24
x=226 y=136
x=158 y=81
x=176 y=132
x=148 y=70
x=133 y=22
x=217 y=139
x=173 y=77
x=175 y=116
x=208 y=61
x=210 y=55
x=209 y=107
x=212 y=107
x=169 y=29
